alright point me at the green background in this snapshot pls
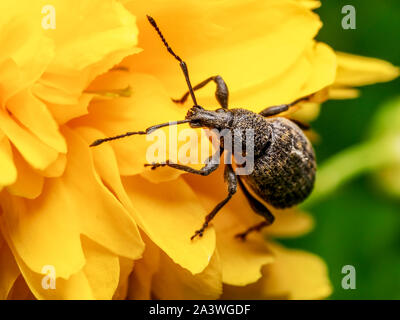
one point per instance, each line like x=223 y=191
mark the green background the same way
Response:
x=358 y=225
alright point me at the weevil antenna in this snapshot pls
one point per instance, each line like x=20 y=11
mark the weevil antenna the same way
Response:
x=181 y=62
x=147 y=131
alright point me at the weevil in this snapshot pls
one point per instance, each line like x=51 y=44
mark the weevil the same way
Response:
x=284 y=159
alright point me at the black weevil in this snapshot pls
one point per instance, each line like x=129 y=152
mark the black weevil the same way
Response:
x=284 y=160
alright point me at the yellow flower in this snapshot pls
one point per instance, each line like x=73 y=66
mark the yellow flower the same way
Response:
x=77 y=209
x=55 y=211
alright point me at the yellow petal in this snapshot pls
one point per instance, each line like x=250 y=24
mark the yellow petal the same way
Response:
x=157 y=276
x=241 y=261
x=148 y=105
x=20 y=290
x=29 y=183
x=66 y=208
x=343 y=93
x=140 y=282
x=88 y=45
x=214 y=43
x=306 y=112
x=9 y=270
x=35 y=152
x=173 y=282
x=8 y=172
x=125 y=270
x=57 y=168
x=97 y=280
x=290 y=223
x=356 y=70
x=101 y=269
x=34 y=115
x=311 y=72
x=112 y=28
x=106 y=164
x=76 y=287
x=117 y=231
x=25 y=221
x=310 y=4
x=9 y=79
x=295 y=274
x=169 y=214
x=64 y=110
x=54 y=95
x=323 y=68
x=26 y=51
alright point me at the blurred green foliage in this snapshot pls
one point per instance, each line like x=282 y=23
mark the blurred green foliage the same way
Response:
x=359 y=224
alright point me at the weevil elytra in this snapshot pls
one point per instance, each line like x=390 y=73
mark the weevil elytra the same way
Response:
x=284 y=160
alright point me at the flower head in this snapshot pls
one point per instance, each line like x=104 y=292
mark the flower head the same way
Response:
x=80 y=210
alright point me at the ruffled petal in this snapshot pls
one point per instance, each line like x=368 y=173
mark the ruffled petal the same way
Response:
x=106 y=164
x=294 y=275
x=29 y=183
x=169 y=214
x=103 y=219
x=9 y=270
x=241 y=261
x=311 y=72
x=35 y=152
x=310 y=4
x=343 y=93
x=125 y=270
x=155 y=274
x=323 y=68
x=214 y=43
x=356 y=70
x=140 y=282
x=102 y=269
x=117 y=231
x=82 y=51
x=26 y=51
x=98 y=278
x=8 y=171
x=186 y=286
x=56 y=169
x=290 y=223
x=148 y=105
x=20 y=290
x=34 y=115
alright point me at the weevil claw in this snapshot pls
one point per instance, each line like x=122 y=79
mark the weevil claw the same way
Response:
x=197 y=233
x=154 y=165
x=241 y=236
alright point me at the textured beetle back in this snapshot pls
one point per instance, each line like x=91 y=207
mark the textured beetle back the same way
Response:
x=284 y=174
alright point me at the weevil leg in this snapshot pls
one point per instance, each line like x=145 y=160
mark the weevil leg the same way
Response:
x=256 y=227
x=211 y=164
x=231 y=178
x=258 y=208
x=275 y=110
x=221 y=93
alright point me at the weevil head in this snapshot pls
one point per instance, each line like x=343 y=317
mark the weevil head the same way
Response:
x=201 y=118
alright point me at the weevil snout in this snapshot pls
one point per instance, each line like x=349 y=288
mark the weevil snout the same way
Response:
x=199 y=117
